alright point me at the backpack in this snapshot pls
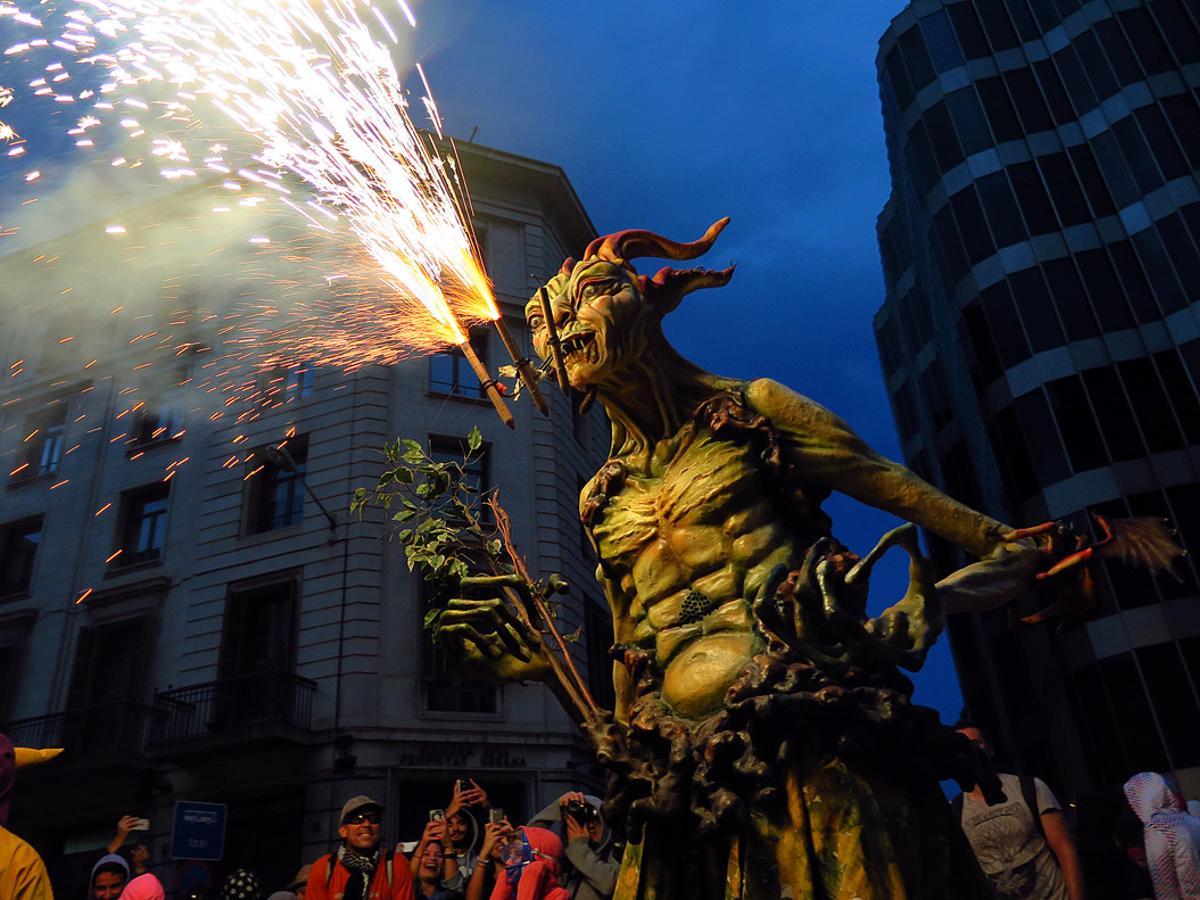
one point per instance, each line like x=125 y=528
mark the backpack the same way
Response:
x=332 y=861
x=1016 y=883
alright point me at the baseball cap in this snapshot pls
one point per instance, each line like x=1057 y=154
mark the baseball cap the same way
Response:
x=358 y=803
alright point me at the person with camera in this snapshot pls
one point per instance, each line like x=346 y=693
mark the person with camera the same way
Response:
x=139 y=852
x=592 y=858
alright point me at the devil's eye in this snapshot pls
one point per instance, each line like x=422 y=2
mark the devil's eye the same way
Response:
x=595 y=289
x=535 y=322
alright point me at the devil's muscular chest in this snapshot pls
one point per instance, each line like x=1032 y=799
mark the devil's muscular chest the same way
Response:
x=688 y=533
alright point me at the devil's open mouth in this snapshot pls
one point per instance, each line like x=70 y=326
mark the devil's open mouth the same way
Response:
x=580 y=347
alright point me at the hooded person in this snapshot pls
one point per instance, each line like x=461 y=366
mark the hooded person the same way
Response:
x=144 y=887
x=462 y=829
x=532 y=864
x=592 y=855
x=22 y=872
x=109 y=876
x=1172 y=837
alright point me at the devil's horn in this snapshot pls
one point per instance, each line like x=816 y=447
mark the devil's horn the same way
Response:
x=635 y=243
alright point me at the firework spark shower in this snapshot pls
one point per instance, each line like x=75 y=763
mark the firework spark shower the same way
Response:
x=310 y=103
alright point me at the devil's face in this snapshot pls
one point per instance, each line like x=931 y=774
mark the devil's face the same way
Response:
x=603 y=321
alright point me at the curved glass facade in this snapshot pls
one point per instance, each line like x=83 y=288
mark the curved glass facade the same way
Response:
x=1041 y=341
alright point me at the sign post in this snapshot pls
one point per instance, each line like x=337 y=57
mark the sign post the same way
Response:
x=198 y=831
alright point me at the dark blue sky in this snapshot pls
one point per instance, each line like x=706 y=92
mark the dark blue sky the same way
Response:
x=669 y=115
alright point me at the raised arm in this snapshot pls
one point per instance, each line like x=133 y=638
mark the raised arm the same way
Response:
x=829 y=455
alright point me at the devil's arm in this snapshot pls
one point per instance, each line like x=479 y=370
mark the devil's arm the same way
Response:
x=827 y=453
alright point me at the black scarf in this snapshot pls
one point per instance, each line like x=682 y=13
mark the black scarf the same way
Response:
x=361 y=869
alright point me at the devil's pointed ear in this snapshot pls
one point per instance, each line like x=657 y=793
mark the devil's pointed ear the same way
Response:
x=669 y=286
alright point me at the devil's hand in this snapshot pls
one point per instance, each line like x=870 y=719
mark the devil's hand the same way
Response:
x=485 y=637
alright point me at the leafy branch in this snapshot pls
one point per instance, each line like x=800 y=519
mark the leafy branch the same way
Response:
x=452 y=531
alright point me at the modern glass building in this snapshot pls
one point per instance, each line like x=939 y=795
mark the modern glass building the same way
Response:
x=1041 y=343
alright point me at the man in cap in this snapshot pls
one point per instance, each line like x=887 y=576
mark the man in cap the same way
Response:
x=359 y=869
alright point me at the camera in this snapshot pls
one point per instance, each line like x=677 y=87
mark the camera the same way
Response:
x=583 y=813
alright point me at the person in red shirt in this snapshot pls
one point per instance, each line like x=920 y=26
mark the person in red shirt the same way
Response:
x=359 y=869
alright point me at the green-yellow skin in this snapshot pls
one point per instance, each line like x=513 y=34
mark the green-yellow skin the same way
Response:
x=696 y=513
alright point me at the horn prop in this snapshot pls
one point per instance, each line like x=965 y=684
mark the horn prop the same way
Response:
x=29 y=756
x=635 y=243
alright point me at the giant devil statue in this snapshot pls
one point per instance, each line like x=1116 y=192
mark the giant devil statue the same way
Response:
x=763 y=743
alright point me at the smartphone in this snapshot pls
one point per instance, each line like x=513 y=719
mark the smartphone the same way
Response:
x=407 y=847
x=141 y=825
x=463 y=785
x=437 y=815
x=496 y=815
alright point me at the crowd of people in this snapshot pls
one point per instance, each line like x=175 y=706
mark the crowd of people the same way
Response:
x=1029 y=846
x=467 y=851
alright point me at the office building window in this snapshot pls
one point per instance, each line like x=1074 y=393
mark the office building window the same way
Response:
x=1064 y=189
x=1001 y=209
x=970 y=32
x=905 y=411
x=1156 y=263
x=41 y=449
x=1096 y=65
x=919 y=157
x=1162 y=141
x=945 y=144
x=1117 y=48
x=1114 y=414
x=1006 y=326
x=1133 y=282
x=969 y=120
x=1031 y=195
x=999 y=109
x=1146 y=41
x=1182 y=393
x=1184 y=115
x=971 y=225
x=1138 y=732
x=1037 y=309
x=1016 y=464
x=1031 y=107
x=1037 y=425
x=1076 y=423
x=898 y=78
x=1055 y=93
x=1137 y=154
x=978 y=345
x=995 y=22
x=916 y=58
x=1175 y=238
x=1108 y=300
x=450 y=373
x=939 y=39
x=19 y=542
x=1079 y=89
x=1153 y=408
x=1070 y=299
x=142 y=525
x=275 y=490
x=1093 y=182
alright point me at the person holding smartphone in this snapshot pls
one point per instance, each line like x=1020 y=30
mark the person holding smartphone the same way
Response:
x=139 y=852
x=462 y=832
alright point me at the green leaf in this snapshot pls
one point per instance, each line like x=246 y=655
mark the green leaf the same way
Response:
x=403 y=516
x=403 y=475
x=493 y=548
x=474 y=439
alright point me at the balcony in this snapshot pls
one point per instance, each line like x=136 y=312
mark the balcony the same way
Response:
x=265 y=708
x=106 y=733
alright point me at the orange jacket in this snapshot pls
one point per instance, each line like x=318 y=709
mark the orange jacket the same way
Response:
x=323 y=887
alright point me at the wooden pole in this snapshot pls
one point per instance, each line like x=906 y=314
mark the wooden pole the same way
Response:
x=488 y=383
x=560 y=368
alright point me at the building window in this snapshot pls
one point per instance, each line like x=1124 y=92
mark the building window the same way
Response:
x=1076 y=423
x=1098 y=70
x=258 y=641
x=1070 y=298
x=142 y=526
x=939 y=38
x=1146 y=41
x=1056 y=94
x=969 y=119
x=1157 y=264
x=1153 y=408
x=275 y=492
x=157 y=423
x=42 y=446
x=1036 y=309
x=1037 y=424
x=1093 y=181
x=1031 y=107
x=283 y=384
x=1181 y=109
x=1117 y=48
x=450 y=373
x=1068 y=198
x=941 y=132
x=1107 y=298
x=446 y=691
x=970 y=32
x=971 y=225
x=1005 y=325
x=916 y=58
x=1114 y=414
x=19 y=542
x=1031 y=195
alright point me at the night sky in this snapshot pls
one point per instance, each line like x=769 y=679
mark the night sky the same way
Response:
x=669 y=115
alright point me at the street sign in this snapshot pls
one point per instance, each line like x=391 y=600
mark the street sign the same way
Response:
x=199 y=830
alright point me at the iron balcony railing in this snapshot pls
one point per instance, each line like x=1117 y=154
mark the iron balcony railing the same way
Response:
x=120 y=728
x=235 y=708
